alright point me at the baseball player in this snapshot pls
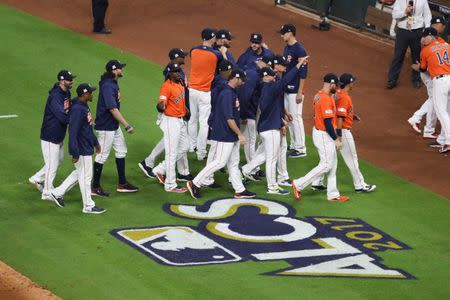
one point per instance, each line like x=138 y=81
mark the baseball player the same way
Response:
x=53 y=131
x=326 y=141
x=172 y=103
x=204 y=59
x=177 y=56
x=271 y=126
x=109 y=133
x=427 y=108
x=294 y=90
x=82 y=142
x=223 y=38
x=256 y=51
x=225 y=130
x=345 y=114
x=435 y=58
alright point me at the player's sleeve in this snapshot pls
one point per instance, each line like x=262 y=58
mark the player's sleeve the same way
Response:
x=342 y=107
x=226 y=105
x=327 y=110
x=164 y=93
x=75 y=122
x=56 y=106
x=288 y=77
x=303 y=71
x=109 y=94
x=423 y=60
x=242 y=61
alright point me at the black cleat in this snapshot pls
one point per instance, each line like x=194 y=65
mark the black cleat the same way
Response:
x=245 y=195
x=94 y=210
x=58 y=200
x=99 y=192
x=187 y=177
x=146 y=169
x=193 y=189
x=127 y=188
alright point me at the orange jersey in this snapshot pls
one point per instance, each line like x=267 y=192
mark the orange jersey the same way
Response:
x=172 y=94
x=435 y=58
x=441 y=40
x=324 y=108
x=203 y=67
x=344 y=108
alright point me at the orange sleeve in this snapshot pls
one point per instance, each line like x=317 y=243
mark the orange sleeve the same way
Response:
x=342 y=107
x=327 y=109
x=423 y=58
x=164 y=93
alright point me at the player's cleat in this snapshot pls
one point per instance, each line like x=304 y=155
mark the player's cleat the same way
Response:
x=99 y=192
x=146 y=169
x=434 y=144
x=103 y=31
x=290 y=148
x=126 y=188
x=193 y=189
x=444 y=149
x=46 y=197
x=286 y=182
x=278 y=191
x=367 y=189
x=214 y=185
x=430 y=136
x=187 y=177
x=245 y=195
x=318 y=187
x=391 y=84
x=94 y=210
x=296 y=154
x=297 y=194
x=38 y=185
x=178 y=189
x=161 y=178
x=339 y=199
x=58 y=200
x=260 y=173
x=414 y=126
x=251 y=177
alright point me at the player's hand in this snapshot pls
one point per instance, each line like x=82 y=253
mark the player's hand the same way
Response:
x=283 y=131
x=241 y=138
x=356 y=118
x=129 y=129
x=288 y=116
x=223 y=50
x=161 y=106
x=244 y=122
x=264 y=45
x=74 y=160
x=299 y=98
x=415 y=67
x=338 y=144
x=302 y=61
x=98 y=149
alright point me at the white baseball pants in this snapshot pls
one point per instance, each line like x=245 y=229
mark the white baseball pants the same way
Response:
x=282 y=160
x=108 y=140
x=441 y=98
x=182 y=163
x=176 y=145
x=227 y=154
x=211 y=156
x=296 y=128
x=83 y=175
x=327 y=164
x=431 y=118
x=350 y=157
x=53 y=156
x=249 y=131
x=200 y=108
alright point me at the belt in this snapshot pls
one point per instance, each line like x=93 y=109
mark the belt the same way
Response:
x=440 y=76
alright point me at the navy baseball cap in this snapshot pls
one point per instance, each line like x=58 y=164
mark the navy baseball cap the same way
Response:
x=346 y=78
x=267 y=71
x=287 y=28
x=437 y=20
x=225 y=65
x=114 y=64
x=85 y=88
x=208 y=34
x=224 y=34
x=238 y=73
x=280 y=60
x=65 y=75
x=429 y=31
x=256 y=38
x=330 y=78
x=268 y=59
x=173 y=67
x=176 y=52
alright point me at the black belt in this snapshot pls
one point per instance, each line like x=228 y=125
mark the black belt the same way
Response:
x=440 y=76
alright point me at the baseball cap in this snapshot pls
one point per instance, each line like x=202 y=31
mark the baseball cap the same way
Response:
x=287 y=28
x=267 y=71
x=437 y=19
x=268 y=59
x=114 y=64
x=177 y=52
x=256 y=38
x=208 y=34
x=346 y=78
x=280 y=60
x=85 y=88
x=330 y=78
x=238 y=73
x=225 y=65
x=65 y=75
x=173 y=67
x=224 y=34
x=429 y=31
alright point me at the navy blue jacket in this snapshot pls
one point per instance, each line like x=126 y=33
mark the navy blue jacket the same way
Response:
x=227 y=108
x=56 y=117
x=248 y=59
x=271 y=102
x=81 y=137
x=229 y=55
x=248 y=94
x=218 y=84
x=292 y=53
x=108 y=97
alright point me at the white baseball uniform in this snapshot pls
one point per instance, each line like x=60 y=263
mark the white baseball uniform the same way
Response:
x=108 y=140
x=200 y=108
x=296 y=127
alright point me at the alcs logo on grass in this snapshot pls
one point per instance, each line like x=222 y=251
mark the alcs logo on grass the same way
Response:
x=232 y=230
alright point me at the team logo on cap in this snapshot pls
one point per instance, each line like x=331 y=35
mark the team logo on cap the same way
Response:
x=260 y=230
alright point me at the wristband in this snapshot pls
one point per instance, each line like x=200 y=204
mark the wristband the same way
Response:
x=128 y=127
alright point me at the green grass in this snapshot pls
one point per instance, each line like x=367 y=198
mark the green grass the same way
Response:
x=74 y=255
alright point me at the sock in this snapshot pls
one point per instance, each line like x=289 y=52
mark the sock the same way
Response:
x=97 y=174
x=120 y=164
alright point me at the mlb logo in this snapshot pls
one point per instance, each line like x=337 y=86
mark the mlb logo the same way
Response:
x=176 y=245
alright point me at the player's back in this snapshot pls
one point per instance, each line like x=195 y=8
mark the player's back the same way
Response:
x=437 y=58
x=324 y=108
x=203 y=67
